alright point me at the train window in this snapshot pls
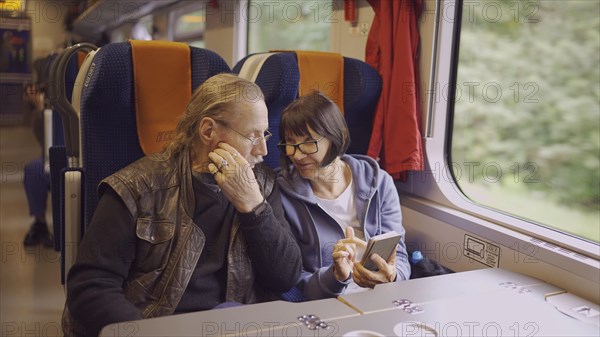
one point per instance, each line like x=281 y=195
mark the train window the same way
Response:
x=189 y=24
x=526 y=123
x=289 y=25
x=143 y=29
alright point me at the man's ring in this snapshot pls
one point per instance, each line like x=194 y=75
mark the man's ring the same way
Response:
x=223 y=163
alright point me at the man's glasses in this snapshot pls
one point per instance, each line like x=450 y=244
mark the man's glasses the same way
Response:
x=307 y=147
x=253 y=140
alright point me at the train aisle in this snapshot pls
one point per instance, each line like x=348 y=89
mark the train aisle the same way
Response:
x=31 y=296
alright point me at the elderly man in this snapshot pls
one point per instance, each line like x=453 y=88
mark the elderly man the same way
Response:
x=190 y=228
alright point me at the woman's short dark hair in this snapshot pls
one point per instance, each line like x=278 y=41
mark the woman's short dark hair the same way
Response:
x=323 y=116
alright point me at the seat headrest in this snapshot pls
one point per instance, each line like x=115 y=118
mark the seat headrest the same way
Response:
x=108 y=112
x=253 y=65
x=322 y=71
x=163 y=87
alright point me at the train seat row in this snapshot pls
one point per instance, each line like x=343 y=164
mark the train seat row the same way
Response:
x=129 y=95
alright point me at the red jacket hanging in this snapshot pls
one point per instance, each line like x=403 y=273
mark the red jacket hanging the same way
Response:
x=392 y=49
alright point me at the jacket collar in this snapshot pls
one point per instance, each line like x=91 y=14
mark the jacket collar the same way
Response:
x=187 y=189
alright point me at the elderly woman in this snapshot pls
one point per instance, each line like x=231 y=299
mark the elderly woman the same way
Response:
x=335 y=202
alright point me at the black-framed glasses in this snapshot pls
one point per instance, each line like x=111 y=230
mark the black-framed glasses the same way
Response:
x=307 y=147
x=253 y=140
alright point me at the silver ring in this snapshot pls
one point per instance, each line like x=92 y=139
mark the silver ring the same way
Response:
x=223 y=163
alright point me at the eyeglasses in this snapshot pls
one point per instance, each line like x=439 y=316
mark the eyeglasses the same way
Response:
x=255 y=140
x=307 y=147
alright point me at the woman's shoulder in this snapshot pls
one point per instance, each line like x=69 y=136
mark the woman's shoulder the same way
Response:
x=287 y=175
x=293 y=186
x=362 y=164
x=367 y=169
x=360 y=159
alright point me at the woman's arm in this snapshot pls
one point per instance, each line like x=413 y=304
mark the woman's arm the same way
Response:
x=391 y=220
x=396 y=267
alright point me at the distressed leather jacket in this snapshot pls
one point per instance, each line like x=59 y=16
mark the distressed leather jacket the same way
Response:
x=159 y=194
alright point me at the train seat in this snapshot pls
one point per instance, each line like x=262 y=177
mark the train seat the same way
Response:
x=278 y=74
x=361 y=90
x=108 y=110
x=118 y=92
x=278 y=77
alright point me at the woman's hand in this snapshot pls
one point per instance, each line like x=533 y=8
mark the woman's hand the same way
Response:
x=386 y=272
x=235 y=177
x=342 y=261
x=345 y=253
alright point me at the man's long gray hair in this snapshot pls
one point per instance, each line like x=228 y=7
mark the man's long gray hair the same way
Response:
x=220 y=97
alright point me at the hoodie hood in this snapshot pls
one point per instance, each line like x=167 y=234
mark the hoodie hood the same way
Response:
x=361 y=166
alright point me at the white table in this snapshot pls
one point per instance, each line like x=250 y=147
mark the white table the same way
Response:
x=486 y=302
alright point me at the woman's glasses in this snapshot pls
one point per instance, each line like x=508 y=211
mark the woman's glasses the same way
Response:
x=307 y=147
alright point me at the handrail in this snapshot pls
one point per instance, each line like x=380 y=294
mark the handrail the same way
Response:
x=69 y=116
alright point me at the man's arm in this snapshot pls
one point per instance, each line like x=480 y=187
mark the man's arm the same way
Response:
x=272 y=248
x=95 y=282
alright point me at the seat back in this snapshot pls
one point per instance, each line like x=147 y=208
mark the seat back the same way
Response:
x=109 y=135
x=279 y=78
x=278 y=75
x=362 y=88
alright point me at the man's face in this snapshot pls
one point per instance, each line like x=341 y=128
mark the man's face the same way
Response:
x=251 y=123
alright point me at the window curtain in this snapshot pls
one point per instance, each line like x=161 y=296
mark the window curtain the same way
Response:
x=392 y=49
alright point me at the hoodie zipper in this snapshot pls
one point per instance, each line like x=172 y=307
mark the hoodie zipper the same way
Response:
x=332 y=218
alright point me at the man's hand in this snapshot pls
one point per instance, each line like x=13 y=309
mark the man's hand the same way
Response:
x=235 y=177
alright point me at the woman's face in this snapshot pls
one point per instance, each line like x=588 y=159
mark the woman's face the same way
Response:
x=308 y=164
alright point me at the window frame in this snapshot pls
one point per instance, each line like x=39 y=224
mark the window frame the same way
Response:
x=435 y=191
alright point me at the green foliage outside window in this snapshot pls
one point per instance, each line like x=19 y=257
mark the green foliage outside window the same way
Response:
x=526 y=137
x=289 y=25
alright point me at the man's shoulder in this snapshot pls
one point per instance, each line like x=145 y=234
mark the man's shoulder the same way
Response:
x=264 y=173
x=150 y=171
x=265 y=176
x=150 y=164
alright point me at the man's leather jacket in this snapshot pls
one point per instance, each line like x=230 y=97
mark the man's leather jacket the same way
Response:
x=159 y=194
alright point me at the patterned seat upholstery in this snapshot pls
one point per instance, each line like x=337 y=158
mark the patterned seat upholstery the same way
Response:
x=108 y=113
x=108 y=128
x=278 y=79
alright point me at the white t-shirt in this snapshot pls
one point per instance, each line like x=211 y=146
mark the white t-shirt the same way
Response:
x=343 y=210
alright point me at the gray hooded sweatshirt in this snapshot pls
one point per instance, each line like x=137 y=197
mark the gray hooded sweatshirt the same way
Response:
x=316 y=231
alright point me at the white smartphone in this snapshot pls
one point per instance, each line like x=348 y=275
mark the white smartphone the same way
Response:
x=383 y=245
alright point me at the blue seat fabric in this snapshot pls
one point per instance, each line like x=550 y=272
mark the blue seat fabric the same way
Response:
x=108 y=117
x=279 y=79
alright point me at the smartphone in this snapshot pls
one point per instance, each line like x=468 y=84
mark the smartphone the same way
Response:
x=383 y=245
